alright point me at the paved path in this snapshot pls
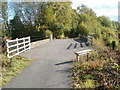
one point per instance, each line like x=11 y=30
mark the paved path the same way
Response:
x=51 y=67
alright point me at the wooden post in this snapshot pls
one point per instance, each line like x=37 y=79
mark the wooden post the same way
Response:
x=29 y=42
x=24 y=43
x=77 y=57
x=7 y=49
x=51 y=37
x=23 y=47
x=17 y=46
x=79 y=36
x=87 y=56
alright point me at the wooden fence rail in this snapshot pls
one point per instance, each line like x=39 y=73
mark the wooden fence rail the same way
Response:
x=88 y=38
x=17 y=46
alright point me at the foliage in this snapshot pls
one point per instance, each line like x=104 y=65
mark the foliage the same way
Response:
x=34 y=19
x=17 y=27
x=61 y=20
x=83 y=9
x=109 y=35
x=101 y=27
x=4 y=31
x=48 y=33
x=11 y=67
x=100 y=71
x=105 y=21
x=82 y=29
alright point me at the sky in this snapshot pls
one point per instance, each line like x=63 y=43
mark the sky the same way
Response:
x=108 y=8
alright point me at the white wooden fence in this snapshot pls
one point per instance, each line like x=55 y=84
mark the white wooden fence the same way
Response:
x=17 y=46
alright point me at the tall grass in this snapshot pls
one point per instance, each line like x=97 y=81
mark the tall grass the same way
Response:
x=11 y=67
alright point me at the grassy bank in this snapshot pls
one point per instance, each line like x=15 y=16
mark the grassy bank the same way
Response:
x=11 y=67
x=101 y=71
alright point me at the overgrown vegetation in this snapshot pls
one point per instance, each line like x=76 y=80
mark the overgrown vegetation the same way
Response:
x=11 y=67
x=100 y=71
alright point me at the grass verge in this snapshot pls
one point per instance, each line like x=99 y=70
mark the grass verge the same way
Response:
x=11 y=67
x=100 y=71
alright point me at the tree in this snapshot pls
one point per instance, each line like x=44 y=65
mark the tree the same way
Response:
x=58 y=16
x=17 y=28
x=105 y=21
x=83 y=9
x=82 y=29
x=4 y=20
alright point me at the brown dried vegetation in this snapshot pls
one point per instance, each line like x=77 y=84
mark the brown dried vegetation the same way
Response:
x=101 y=71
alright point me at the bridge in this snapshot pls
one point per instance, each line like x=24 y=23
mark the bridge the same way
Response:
x=51 y=65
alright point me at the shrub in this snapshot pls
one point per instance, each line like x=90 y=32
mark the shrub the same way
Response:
x=109 y=35
x=82 y=29
x=47 y=33
x=58 y=33
x=100 y=70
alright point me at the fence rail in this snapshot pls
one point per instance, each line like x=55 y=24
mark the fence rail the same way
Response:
x=17 y=46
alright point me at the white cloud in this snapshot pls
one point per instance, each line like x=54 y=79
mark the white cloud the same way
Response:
x=106 y=11
x=96 y=3
x=101 y=7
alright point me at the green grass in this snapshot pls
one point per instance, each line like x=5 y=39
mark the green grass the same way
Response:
x=11 y=67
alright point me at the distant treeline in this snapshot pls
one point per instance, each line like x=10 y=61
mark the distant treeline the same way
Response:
x=57 y=18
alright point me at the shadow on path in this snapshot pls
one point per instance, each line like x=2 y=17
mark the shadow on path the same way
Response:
x=77 y=43
x=67 y=70
x=79 y=40
x=66 y=62
x=69 y=46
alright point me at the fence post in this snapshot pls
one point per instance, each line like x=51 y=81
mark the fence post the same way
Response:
x=29 y=42
x=17 y=46
x=16 y=43
x=79 y=36
x=51 y=37
x=7 y=49
x=24 y=43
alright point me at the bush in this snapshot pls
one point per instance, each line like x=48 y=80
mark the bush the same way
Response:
x=58 y=33
x=97 y=33
x=109 y=35
x=82 y=29
x=47 y=33
x=100 y=70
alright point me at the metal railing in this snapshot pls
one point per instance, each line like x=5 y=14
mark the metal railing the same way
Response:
x=17 y=46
